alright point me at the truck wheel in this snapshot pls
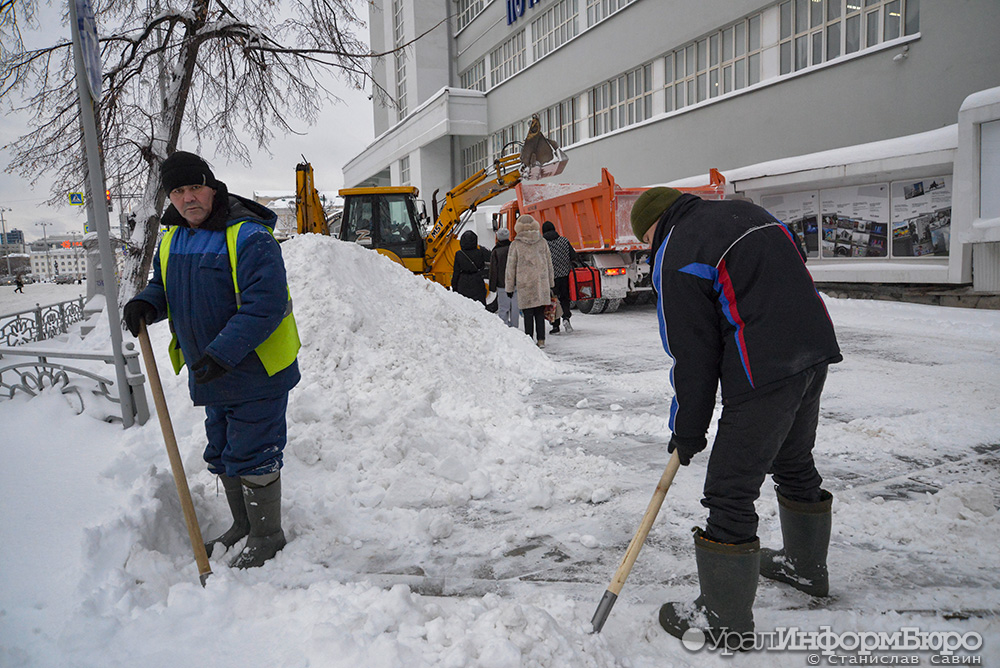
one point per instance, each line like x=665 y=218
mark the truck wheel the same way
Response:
x=592 y=306
x=612 y=305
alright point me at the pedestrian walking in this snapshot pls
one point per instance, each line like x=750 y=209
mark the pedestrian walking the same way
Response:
x=220 y=281
x=736 y=306
x=506 y=306
x=529 y=273
x=19 y=283
x=471 y=268
x=564 y=258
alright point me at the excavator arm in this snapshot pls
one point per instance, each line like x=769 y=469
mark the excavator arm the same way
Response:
x=309 y=213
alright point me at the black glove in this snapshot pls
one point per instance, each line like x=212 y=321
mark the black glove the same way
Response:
x=686 y=447
x=136 y=311
x=206 y=369
x=510 y=295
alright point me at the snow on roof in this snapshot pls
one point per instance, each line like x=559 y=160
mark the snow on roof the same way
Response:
x=981 y=99
x=941 y=139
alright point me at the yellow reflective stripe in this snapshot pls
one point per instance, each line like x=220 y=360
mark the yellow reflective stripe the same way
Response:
x=173 y=348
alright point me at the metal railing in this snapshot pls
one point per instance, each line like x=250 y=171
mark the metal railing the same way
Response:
x=40 y=323
x=79 y=384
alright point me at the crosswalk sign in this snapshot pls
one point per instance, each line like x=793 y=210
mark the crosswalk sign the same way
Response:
x=76 y=199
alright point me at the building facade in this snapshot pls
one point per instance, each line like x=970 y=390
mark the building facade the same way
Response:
x=59 y=255
x=660 y=92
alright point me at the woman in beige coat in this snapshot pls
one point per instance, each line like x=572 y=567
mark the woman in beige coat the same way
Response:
x=529 y=271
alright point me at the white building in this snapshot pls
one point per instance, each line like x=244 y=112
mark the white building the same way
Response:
x=660 y=91
x=64 y=255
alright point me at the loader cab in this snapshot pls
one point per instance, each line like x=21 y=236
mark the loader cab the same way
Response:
x=386 y=220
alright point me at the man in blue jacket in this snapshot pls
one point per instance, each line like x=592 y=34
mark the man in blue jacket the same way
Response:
x=737 y=307
x=220 y=280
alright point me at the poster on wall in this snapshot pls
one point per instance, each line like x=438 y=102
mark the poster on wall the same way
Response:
x=855 y=221
x=800 y=211
x=921 y=217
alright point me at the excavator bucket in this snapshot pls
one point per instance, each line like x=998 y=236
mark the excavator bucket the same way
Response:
x=540 y=156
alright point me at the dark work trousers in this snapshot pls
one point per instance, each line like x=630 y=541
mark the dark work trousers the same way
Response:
x=562 y=292
x=247 y=438
x=534 y=318
x=773 y=432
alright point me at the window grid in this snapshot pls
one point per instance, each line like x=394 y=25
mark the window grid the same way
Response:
x=815 y=31
x=554 y=28
x=404 y=170
x=475 y=158
x=468 y=10
x=598 y=10
x=559 y=122
x=475 y=77
x=722 y=62
x=622 y=101
x=507 y=140
x=507 y=59
x=399 y=57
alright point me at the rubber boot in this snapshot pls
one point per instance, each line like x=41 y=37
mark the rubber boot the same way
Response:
x=263 y=504
x=805 y=531
x=241 y=523
x=727 y=575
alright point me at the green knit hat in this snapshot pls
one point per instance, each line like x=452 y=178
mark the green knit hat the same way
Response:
x=650 y=206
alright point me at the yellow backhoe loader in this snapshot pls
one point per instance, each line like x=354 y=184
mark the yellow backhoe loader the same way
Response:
x=309 y=213
x=388 y=219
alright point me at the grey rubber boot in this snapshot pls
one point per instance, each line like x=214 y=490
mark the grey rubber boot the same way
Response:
x=263 y=505
x=241 y=523
x=805 y=530
x=727 y=575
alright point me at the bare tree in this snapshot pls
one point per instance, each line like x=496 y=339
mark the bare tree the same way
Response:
x=232 y=73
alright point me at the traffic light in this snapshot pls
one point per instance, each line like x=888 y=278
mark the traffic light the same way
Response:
x=107 y=196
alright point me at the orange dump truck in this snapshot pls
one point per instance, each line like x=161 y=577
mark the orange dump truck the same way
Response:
x=596 y=220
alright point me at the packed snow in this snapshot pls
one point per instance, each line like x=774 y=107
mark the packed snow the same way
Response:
x=455 y=497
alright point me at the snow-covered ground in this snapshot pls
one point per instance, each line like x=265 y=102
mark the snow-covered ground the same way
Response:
x=455 y=497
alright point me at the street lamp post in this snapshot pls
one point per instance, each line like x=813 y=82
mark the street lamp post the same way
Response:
x=48 y=264
x=6 y=241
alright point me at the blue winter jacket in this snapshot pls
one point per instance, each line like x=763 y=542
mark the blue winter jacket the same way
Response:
x=203 y=310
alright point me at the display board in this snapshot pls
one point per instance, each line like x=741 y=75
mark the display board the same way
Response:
x=855 y=221
x=800 y=211
x=921 y=217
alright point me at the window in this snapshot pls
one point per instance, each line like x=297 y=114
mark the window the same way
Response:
x=507 y=140
x=468 y=10
x=720 y=63
x=559 y=123
x=598 y=10
x=475 y=76
x=404 y=171
x=507 y=59
x=554 y=28
x=399 y=57
x=815 y=31
x=475 y=158
x=622 y=101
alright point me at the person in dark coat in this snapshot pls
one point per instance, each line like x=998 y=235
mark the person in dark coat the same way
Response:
x=19 y=282
x=240 y=347
x=470 y=268
x=563 y=260
x=506 y=306
x=737 y=306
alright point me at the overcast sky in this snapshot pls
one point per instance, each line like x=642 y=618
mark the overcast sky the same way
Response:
x=342 y=132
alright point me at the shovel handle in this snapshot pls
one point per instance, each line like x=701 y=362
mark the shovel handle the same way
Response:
x=176 y=465
x=632 y=553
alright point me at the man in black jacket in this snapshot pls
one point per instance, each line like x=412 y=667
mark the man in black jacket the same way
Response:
x=563 y=260
x=736 y=305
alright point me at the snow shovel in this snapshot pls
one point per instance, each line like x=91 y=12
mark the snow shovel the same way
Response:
x=194 y=532
x=632 y=553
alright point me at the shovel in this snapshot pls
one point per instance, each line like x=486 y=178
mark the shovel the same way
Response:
x=632 y=553
x=194 y=532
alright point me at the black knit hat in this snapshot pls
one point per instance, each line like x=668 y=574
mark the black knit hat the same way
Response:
x=186 y=169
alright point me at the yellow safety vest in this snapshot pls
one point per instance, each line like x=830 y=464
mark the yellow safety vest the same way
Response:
x=279 y=349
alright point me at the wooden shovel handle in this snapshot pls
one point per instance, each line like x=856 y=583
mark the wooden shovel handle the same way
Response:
x=180 y=480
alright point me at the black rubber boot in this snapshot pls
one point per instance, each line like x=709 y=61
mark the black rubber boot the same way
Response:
x=241 y=523
x=263 y=506
x=727 y=575
x=805 y=530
